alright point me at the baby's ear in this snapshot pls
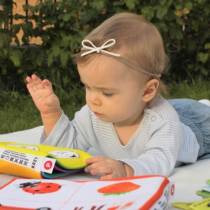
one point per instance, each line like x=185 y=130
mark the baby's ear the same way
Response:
x=151 y=89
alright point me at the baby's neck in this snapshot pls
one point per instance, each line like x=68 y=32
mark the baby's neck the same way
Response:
x=126 y=132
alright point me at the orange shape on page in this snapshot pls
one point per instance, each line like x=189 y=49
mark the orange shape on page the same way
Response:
x=127 y=205
x=118 y=188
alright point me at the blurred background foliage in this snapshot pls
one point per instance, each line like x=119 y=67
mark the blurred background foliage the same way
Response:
x=62 y=25
x=59 y=27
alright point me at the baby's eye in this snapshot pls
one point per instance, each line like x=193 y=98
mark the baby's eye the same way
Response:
x=108 y=94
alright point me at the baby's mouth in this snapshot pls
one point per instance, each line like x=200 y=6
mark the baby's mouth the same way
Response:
x=97 y=114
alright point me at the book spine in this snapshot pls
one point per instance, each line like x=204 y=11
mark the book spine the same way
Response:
x=11 y=159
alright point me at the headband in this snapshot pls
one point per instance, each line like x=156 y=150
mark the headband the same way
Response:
x=107 y=44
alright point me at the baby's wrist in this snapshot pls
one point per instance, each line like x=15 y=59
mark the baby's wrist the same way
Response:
x=123 y=171
x=128 y=170
x=52 y=115
x=50 y=119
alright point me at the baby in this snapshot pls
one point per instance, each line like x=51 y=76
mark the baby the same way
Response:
x=126 y=119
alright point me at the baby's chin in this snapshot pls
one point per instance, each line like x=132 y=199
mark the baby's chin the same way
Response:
x=107 y=120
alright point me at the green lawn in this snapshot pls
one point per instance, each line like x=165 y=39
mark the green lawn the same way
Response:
x=17 y=112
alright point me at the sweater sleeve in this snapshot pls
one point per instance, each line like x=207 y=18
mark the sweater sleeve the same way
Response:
x=71 y=134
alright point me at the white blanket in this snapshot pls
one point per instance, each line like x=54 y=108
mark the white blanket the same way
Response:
x=187 y=179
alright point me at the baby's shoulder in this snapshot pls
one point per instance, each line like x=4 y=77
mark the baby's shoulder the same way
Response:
x=162 y=110
x=84 y=114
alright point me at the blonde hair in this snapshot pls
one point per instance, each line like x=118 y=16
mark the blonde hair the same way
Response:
x=138 y=41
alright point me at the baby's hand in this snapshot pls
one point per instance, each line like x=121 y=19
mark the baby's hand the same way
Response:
x=42 y=94
x=110 y=167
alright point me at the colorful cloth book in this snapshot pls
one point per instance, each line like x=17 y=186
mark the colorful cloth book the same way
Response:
x=131 y=193
x=40 y=161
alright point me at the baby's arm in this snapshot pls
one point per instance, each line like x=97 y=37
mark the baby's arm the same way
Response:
x=45 y=100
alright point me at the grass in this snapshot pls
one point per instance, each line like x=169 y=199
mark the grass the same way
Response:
x=195 y=90
x=18 y=112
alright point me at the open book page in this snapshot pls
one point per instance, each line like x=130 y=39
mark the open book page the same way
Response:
x=146 y=192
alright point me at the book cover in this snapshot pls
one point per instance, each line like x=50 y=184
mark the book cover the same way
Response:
x=131 y=193
x=40 y=161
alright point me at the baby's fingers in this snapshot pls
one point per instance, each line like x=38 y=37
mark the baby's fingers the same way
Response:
x=29 y=80
x=47 y=84
x=35 y=82
x=96 y=169
x=30 y=89
x=109 y=176
x=94 y=159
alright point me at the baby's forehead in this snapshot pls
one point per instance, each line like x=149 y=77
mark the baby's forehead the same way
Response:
x=104 y=66
x=108 y=67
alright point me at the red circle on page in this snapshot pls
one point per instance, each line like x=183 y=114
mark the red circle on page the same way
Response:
x=172 y=189
x=48 y=165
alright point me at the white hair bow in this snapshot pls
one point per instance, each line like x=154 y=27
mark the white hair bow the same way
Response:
x=92 y=49
x=107 y=44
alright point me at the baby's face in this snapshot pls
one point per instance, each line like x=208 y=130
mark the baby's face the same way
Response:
x=112 y=92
